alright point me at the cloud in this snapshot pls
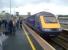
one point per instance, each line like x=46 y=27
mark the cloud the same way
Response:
x=60 y=2
x=56 y=9
x=6 y=3
x=34 y=6
x=18 y=3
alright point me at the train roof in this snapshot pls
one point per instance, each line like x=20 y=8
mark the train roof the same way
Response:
x=43 y=13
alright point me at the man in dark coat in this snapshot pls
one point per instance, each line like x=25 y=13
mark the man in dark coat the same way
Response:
x=11 y=27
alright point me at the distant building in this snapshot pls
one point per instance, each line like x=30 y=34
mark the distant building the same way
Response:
x=25 y=16
x=29 y=13
x=2 y=14
x=17 y=13
x=63 y=19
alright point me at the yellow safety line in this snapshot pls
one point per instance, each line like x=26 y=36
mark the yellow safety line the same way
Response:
x=29 y=40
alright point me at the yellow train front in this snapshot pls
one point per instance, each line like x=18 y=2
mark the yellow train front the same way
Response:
x=45 y=23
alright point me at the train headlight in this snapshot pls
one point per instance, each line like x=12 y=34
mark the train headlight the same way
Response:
x=60 y=29
x=47 y=29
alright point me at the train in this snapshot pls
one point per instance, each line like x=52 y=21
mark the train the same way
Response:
x=45 y=23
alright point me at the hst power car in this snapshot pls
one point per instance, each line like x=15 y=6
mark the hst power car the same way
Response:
x=44 y=22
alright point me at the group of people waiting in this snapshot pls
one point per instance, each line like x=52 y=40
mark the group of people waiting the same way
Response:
x=11 y=26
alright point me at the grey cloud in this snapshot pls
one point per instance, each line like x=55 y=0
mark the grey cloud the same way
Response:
x=60 y=2
x=6 y=3
x=17 y=3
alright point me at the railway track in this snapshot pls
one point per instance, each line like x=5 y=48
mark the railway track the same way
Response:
x=64 y=34
x=61 y=41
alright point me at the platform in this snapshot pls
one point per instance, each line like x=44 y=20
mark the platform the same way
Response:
x=20 y=42
x=23 y=40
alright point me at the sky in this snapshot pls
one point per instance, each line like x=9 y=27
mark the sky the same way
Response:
x=35 y=6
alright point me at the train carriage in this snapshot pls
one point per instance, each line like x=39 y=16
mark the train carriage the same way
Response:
x=46 y=23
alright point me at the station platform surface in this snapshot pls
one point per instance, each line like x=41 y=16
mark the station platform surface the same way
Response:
x=20 y=42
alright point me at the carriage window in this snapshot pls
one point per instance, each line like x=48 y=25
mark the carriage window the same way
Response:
x=50 y=19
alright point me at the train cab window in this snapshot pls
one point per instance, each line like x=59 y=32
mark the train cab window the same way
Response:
x=50 y=19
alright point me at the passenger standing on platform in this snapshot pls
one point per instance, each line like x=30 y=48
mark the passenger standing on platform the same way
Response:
x=0 y=23
x=17 y=24
x=5 y=23
x=11 y=28
x=14 y=26
x=21 y=24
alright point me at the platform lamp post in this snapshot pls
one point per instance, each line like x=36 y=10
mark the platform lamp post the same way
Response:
x=10 y=8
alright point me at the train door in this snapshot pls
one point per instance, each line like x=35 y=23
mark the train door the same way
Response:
x=32 y=21
x=37 y=23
